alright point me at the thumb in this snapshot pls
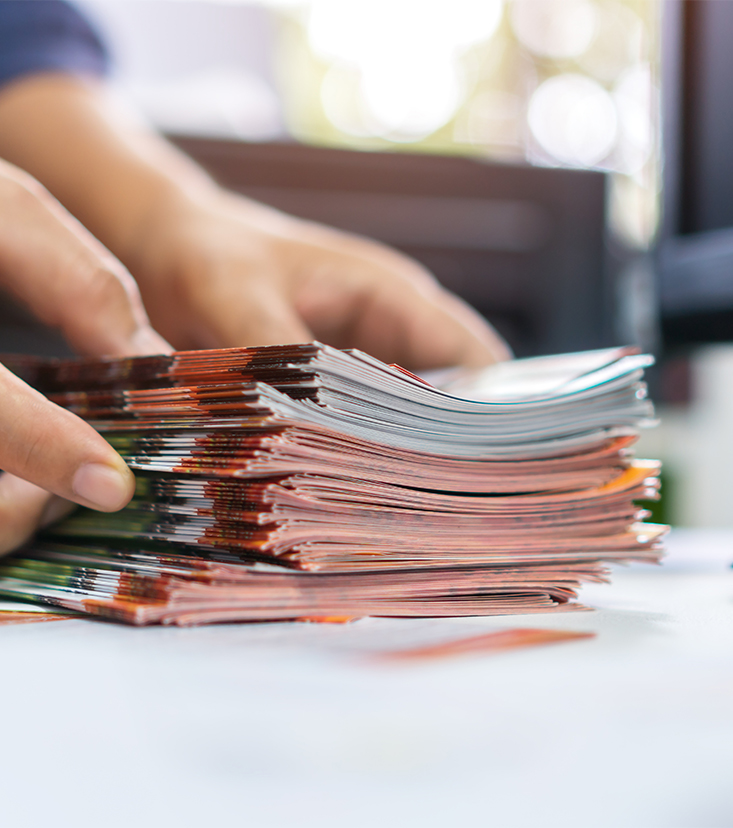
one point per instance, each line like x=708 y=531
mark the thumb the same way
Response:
x=54 y=449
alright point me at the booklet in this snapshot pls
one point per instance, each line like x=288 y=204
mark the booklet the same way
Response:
x=302 y=481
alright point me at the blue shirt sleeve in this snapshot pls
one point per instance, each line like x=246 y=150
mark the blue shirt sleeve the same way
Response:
x=47 y=36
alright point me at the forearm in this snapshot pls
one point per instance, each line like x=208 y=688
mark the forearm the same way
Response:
x=108 y=170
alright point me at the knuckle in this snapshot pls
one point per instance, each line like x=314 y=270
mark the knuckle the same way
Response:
x=34 y=450
x=25 y=445
x=99 y=288
x=100 y=305
x=107 y=288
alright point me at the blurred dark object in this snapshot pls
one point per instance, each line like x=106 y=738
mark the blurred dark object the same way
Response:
x=696 y=244
x=675 y=381
x=524 y=245
x=20 y=333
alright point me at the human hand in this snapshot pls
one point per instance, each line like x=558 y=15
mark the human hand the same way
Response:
x=57 y=269
x=216 y=269
x=219 y=270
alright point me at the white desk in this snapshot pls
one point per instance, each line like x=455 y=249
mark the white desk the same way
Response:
x=290 y=725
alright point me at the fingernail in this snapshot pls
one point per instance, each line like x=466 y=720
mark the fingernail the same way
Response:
x=102 y=487
x=145 y=341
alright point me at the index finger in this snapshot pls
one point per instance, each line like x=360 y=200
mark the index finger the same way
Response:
x=65 y=276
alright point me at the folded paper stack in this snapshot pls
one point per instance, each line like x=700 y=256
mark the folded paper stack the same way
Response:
x=302 y=482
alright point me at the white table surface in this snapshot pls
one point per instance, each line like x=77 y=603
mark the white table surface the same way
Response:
x=293 y=725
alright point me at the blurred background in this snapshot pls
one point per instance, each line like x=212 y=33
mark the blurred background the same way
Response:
x=561 y=164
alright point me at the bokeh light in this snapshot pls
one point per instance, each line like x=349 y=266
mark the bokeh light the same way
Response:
x=399 y=58
x=618 y=42
x=554 y=28
x=573 y=119
x=360 y=31
x=634 y=95
x=556 y=82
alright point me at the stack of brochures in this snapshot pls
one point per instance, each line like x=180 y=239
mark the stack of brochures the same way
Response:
x=301 y=481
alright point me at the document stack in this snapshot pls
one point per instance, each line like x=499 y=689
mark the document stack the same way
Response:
x=301 y=481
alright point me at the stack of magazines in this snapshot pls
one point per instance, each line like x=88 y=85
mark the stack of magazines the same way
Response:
x=302 y=481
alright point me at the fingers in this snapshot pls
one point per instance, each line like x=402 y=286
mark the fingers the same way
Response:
x=443 y=330
x=65 y=276
x=260 y=315
x=57 y=451
x=23 y=508
x=229 y=304
x=68 y=280
x=364 y=296
x=422 y=330
x=356 y=293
